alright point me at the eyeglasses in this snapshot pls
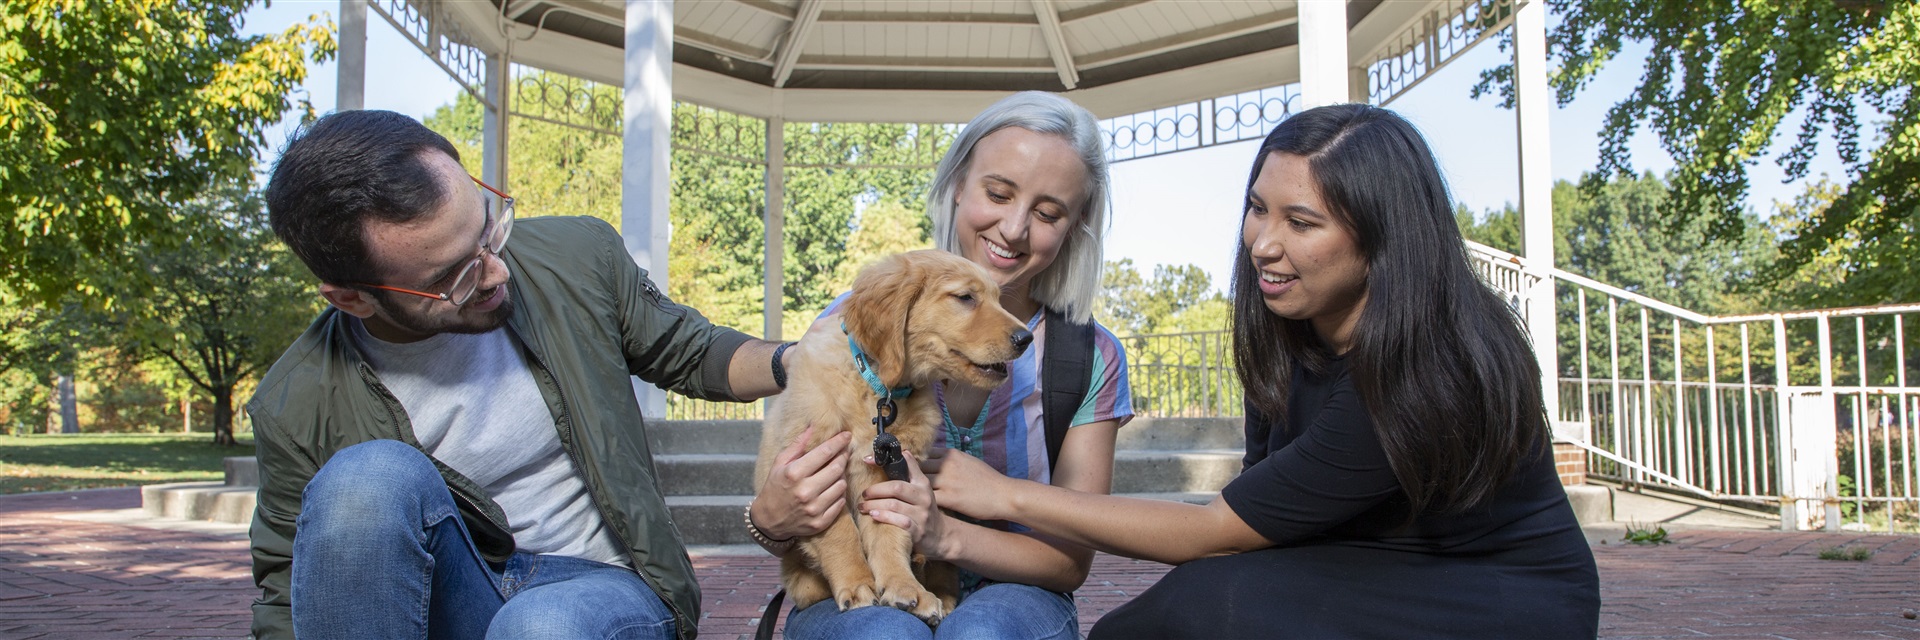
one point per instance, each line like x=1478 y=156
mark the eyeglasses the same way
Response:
x=493 y=238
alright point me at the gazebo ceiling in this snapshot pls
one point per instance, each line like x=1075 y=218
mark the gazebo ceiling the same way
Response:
x=936 y=60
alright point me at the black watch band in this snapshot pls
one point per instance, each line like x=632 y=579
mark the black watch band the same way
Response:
x=780 y=372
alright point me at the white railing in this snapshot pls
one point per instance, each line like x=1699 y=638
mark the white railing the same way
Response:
x=1810 y=413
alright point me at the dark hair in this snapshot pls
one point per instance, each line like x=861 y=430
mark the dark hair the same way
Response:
x=343 y=169
x=1438 y=358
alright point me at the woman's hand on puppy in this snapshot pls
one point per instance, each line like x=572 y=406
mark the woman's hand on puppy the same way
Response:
x=806 y=490
x=968 y=485
x=909 y=505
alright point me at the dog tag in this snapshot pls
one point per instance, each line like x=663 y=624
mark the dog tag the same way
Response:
x=886 y=453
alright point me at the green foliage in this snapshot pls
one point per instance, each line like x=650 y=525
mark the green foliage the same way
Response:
x=226 y=301
x=1720 y=80
x=1846 y=553
x=114 y=111
x=853 y=191
x=833 y=169
x=1176 y=298
x=88 y=461
x=1621 y=234
x=1639 y=534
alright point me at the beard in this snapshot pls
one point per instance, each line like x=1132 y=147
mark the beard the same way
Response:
x=466 y=320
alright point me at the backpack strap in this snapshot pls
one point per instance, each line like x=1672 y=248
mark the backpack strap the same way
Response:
x=1065 y=373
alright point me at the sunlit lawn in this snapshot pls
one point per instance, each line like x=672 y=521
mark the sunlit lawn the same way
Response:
x=86 y=461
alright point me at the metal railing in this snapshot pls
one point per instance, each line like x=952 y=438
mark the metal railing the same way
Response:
x=1811 y=413
x=1183 y=374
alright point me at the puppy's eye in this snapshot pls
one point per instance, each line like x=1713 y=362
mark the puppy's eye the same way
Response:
x=964 y=296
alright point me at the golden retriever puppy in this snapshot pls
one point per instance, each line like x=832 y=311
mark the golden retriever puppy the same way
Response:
x=918 y=317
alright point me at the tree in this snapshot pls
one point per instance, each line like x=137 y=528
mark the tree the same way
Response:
x=114 y=111
x=1176 y=298
x=1722 y=77
x=225 y=302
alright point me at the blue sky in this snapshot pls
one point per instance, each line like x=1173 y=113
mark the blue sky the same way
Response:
x=1184 y=208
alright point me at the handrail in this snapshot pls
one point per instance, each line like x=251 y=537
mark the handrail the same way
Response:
x=1676 y=482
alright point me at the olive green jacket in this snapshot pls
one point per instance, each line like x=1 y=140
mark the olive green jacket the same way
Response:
x=588 y=319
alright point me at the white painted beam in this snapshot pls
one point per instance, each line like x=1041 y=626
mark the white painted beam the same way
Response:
x=1533 y=102
x=493 y=122
x=351 y=81
x=646 y=153
x=1056 y=43
x=1210 y=35
x=796 y=40
x=1323 y=52
x=517 y=8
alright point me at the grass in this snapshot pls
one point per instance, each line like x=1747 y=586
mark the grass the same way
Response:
x=1638 y=534
x=88 y=461
x=1849 y=554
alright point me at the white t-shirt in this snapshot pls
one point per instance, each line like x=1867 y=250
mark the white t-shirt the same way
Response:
x=475 y=407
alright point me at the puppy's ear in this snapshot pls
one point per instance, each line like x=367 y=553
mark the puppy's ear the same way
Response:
x=876 y=313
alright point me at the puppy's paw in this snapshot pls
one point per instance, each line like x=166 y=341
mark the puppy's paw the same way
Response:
x=854 y=596
x=910 y=597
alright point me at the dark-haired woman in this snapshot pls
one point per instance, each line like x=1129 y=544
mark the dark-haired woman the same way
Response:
x=1398 y=478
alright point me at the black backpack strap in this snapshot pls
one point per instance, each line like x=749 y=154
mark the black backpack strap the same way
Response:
x=1066 y=371
x=770 y=617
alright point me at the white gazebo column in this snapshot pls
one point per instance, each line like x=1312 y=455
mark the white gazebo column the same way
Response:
x=646 y=153
x=1532 y=104
x=776 y=226
x=1323 y=53
x=351 y=82
x=493 y=122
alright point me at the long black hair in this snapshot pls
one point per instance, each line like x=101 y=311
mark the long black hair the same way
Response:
x=1439 y=359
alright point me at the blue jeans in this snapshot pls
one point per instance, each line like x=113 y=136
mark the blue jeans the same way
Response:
x=1001 y=611
x=381 y=552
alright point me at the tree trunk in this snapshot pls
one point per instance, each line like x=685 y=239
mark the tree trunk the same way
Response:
x=223 y=416
x=69 y=405
x=186 y=415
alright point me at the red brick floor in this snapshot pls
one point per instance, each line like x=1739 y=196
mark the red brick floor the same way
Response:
x=67 y=578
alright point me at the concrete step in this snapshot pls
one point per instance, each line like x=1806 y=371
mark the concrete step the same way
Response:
x=215 y=501
x=670 y=437
x=1179 y=434
x=710 y=520
x=1133 y=472
x=702 y=519
x=675 y=437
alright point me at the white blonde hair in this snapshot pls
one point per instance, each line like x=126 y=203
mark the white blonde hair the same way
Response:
x=1071 y=282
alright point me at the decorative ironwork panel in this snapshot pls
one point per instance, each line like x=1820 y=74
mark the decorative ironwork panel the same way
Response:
x=724 y=134
x=1432 y=42
x=1194 y=125
x=567 y=101
x=441 y=38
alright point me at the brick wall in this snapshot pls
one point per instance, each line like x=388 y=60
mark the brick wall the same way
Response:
x=1571 y=462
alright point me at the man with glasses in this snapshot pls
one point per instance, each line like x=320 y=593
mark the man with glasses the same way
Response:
x=453 y=448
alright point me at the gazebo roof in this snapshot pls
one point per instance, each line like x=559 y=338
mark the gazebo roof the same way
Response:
x=936 y=60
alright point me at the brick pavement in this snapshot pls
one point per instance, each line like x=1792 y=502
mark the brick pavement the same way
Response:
x=66 y=572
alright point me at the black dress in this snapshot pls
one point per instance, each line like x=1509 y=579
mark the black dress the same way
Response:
x=1349 y=564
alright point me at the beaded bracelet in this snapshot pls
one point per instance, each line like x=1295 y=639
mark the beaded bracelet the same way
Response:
x=778 y=547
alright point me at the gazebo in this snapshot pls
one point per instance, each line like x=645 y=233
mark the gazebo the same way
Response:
x=1169 y=76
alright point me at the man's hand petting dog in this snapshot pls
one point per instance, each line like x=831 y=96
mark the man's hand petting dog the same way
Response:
x=908 y=505
x=806 y=490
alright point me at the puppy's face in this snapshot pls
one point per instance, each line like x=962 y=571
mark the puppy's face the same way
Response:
x=948 y=310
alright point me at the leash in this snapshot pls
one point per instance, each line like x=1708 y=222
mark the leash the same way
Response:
x=770 y=616
x=886 y=447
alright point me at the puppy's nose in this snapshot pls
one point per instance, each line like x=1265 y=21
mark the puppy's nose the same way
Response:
x=1021 y=338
